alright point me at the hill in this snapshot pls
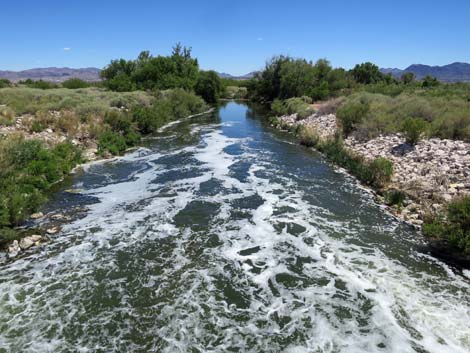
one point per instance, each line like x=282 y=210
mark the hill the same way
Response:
x=53 y=74
x=455 y=72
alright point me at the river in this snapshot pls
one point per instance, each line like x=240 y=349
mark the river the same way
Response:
x=222 y=235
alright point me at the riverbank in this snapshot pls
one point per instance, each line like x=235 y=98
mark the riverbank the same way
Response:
x=116 y=128
x=426 y=176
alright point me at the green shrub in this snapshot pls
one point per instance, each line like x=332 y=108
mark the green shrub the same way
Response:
x=40 y=84
x=121 y=136
x=351 y=114
x=27 y=171
x=382 y=171
x=7 y=235
x=7 y=116
x=413 y=128
x=308 y=136
x=4 y=83
x=278 y=107
x=75 y=83
x=112 y=142
x=455 y=227
x=395 y=197
x=37 y=126
x=169 y=106
x=294 y=105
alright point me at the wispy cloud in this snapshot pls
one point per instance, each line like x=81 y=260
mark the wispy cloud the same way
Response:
x=67 y=49
x=259 y=39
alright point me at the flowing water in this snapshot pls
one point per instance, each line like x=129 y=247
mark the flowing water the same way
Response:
x=223 y=236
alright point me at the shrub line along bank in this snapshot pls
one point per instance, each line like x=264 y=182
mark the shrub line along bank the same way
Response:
x=32 y=161
x=443 y=218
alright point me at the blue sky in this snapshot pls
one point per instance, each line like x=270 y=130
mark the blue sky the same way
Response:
x=234 y=36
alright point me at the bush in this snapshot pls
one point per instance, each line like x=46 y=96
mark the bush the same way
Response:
x=122 y=133
x=7 y=116
x=308 y=136
x=4 y=83
x=7 y=235
x=75 y=83
x=112 y=142
x=27 y=171
x=170 y=105
x=395 y=197
x=351 y=114
x=382 y=171
x=413 y=128
x=40 y=84
x=292 y=106
x=455 y=227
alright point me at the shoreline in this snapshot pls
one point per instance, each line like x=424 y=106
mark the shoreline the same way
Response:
x=50 y=224
x=412 y=172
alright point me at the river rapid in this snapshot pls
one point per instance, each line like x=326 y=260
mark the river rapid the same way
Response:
x=222 y=235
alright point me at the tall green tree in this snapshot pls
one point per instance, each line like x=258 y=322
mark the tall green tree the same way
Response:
x=367 y=73
x=209 y=86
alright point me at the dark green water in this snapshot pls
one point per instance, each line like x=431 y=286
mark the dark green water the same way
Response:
x=222 y=236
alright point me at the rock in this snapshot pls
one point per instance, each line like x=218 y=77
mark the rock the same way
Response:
x=26 y=243
x=36 y=238
x=14 y=249
x=53 y=230
x=58 y=217
x=37 y=215
x=447 y=197
x=3 y=257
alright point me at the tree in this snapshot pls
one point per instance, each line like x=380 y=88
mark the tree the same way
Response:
x=297 y=78
x=367 y=73
x=209 y=86
x=408 y=77
x=179 y=70
x=430 y=81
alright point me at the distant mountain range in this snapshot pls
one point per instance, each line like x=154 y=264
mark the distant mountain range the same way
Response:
x=456 y=72
x=244 y=77
x=53 y=74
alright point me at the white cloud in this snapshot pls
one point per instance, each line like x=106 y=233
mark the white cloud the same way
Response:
x=67 y=49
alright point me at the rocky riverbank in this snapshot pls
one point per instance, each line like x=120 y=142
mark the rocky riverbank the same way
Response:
x=52 y=136
x=430 y=173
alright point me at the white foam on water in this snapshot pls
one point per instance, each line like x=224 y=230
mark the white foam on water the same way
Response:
x=262 y=288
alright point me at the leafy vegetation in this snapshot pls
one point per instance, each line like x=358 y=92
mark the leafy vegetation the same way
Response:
x=4 y=83
x=366 y=115
x=83 y=102
x=395 y=197
x=179 y=70
x=300 y=106
x=170 y=105
x=209 y=86
x=454 y=226
x=285 y=77
x=27 y=170
x=40 y=84
x=75 y=83
x=376 y=173
x=413 y=128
